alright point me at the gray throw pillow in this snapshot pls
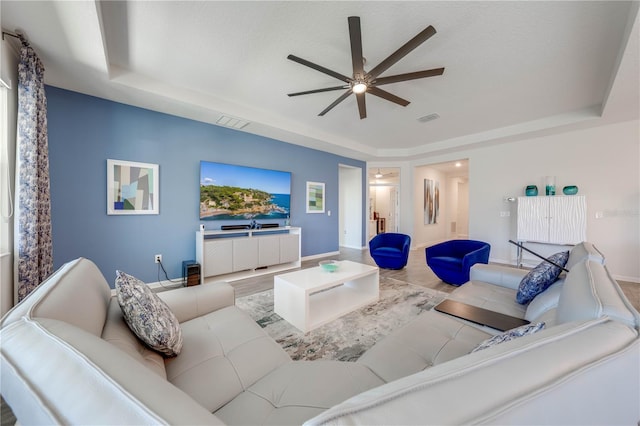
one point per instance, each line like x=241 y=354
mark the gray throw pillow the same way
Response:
x=148 y=316
x=512 y=334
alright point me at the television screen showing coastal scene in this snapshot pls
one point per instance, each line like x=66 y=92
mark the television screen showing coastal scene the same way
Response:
x=230 y=192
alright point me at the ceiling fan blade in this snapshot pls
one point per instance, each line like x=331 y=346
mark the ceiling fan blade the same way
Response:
x=355 y=35
x=342 y=97
x=388 y=96
x=362 y=106
x=319 y=68
x=308 y=92
x=408 y=76
x=423 y=36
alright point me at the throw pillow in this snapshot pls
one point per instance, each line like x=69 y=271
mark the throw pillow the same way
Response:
x=148 y=316
x=512 y=334
x=541 y=277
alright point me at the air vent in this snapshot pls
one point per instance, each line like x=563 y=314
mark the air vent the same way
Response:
x=234 y=123
x=429 y=117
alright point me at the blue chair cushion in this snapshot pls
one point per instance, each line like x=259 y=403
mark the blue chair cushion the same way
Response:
x=446 y=262
x=540 y=278
x=387 y=251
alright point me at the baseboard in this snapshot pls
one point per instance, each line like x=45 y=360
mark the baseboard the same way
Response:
x=361 y=248
x=158 y=286
x=635 y=280
x=318 y=256
x=430 y=243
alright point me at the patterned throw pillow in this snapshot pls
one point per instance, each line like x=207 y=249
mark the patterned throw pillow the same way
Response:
x=541 y=277
x=148 y=316
x=512 y=334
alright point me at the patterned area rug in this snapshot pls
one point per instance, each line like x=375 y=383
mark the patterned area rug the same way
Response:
x=348 y=337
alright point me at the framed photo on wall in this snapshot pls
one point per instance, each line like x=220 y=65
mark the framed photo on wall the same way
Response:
x=132 y=188
x=315 y=197
x=431 y=201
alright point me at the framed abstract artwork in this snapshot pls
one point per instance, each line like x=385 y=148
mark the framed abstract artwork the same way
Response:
x=431 y=201
x=132 y=188
x=315 y=197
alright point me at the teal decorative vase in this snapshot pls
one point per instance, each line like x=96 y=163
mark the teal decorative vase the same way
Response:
x=531 y=191
x=570 y=190
x=550 y=188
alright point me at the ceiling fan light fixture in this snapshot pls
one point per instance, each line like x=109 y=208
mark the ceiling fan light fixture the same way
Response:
x=362 y=82
x=359 y=87
x=378 y=175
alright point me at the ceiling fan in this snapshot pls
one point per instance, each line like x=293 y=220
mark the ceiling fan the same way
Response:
x=367 y=82
x=380 y=175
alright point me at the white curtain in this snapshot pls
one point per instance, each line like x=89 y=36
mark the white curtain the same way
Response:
x=33 y=204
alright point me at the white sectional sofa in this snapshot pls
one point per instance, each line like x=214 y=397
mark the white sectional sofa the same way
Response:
x=67 y=356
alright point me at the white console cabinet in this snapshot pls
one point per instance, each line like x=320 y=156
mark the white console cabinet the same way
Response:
x=237 y=254
x=553 y=220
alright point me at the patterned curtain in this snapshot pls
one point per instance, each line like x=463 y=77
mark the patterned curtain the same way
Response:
x=33 y=205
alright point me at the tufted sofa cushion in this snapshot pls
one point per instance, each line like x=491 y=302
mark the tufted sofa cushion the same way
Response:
x=296 y=391
x=441 y=338
x=224 y=353
x=117 y=332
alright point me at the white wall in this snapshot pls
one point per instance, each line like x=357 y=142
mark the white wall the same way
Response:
x=603 y=162
x=450 y=198
x=425 y=235
x=462 y=212
x=351 y=214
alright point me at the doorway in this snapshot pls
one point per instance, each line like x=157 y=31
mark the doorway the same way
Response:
x=384 y=200
x=451 y=221
x=350 y=207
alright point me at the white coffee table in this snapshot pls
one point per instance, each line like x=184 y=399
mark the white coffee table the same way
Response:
x=312 y=297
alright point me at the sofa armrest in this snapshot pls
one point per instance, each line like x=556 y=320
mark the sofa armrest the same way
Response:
x=192 y=302
x=503 y=276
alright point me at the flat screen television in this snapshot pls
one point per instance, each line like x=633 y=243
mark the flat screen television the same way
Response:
x=232 y=192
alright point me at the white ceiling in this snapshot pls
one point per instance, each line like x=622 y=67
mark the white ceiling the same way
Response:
x=513 y=68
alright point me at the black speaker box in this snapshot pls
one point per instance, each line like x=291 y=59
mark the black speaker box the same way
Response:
x=190 y=272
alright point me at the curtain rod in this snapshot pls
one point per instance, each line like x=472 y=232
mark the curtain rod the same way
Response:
x=4 y=33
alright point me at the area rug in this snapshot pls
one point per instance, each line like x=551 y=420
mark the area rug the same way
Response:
x=349 y=336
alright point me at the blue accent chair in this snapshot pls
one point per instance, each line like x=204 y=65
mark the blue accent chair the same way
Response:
x=452 y=260
x=390 y=250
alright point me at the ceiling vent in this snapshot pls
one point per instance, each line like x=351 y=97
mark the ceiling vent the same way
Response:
x=429 y=117
x=232 y=122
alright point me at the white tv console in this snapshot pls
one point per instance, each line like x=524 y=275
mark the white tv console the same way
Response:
x=242 y=253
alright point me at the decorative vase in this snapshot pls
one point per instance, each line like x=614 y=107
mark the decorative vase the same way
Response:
x=570 y=190
x=531 y=191
x=550 y=185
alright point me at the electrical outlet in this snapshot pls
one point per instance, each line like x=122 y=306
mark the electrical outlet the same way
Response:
x=158 y=258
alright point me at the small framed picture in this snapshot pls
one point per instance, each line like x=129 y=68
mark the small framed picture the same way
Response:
x=315 y=197
x=132 y=188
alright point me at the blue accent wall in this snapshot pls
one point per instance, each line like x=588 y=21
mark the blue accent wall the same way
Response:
x=85 y=131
